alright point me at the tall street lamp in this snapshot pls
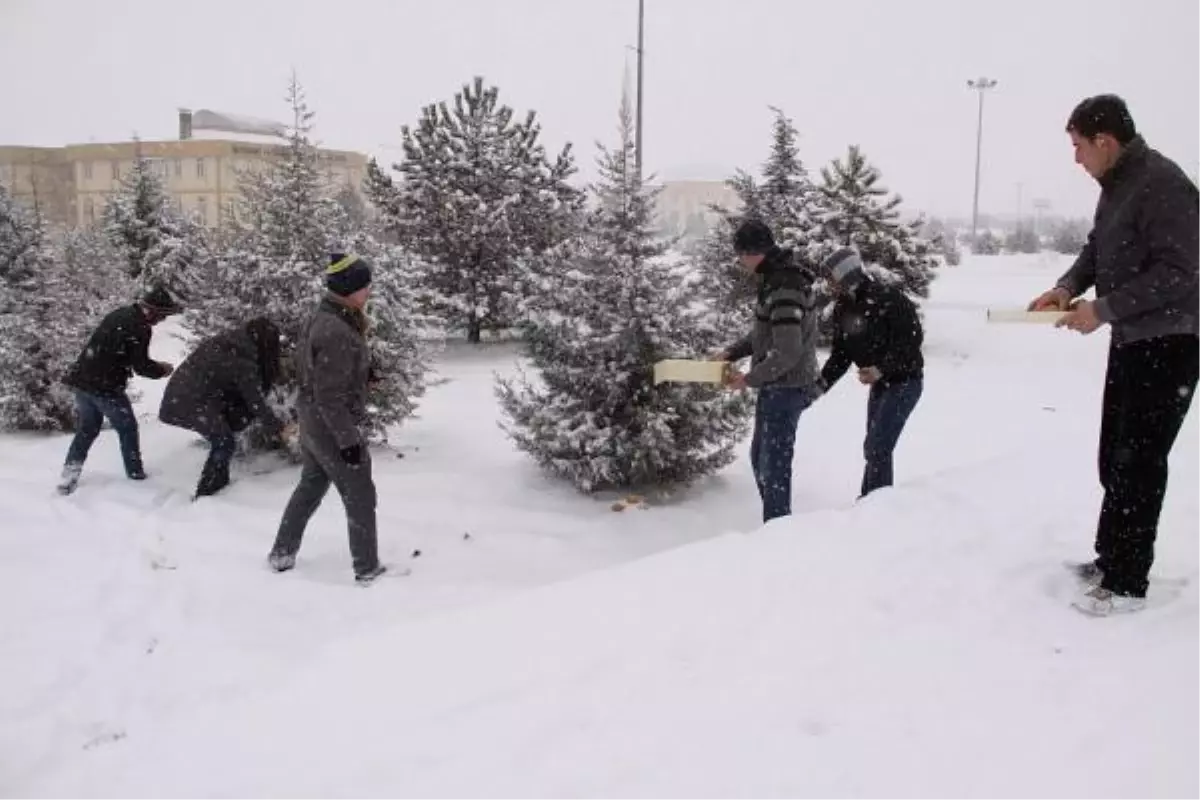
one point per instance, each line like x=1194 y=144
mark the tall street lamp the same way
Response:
x=980 y=85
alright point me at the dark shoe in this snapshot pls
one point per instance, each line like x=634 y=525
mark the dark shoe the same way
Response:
x=137 y=474
x=1088 y=573
x=211 y=484
x=368 y=577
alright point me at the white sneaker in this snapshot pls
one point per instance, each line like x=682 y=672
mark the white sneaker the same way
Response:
x=1098 y=602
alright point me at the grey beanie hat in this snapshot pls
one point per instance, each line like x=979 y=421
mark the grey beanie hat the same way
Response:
x=845 y=266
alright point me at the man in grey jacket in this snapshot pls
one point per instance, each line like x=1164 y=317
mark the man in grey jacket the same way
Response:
x=782 y=347
x=333 y=366
x=1141 y=257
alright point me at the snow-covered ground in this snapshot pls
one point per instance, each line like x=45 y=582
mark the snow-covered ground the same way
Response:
x=917 y=643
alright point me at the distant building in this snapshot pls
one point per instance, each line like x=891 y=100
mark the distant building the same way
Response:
x=683 y=206
x=71 y=184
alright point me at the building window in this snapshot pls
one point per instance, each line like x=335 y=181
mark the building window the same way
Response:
x=202 y=208
x=87 y=170
x=199 y=167
x=179 y=168
x=89 y=210
x=116 y=170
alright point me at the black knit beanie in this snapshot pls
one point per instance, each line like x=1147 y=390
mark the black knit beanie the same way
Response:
x=346 y=274
x=753 y=237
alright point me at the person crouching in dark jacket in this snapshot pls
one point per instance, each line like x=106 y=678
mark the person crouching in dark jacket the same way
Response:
x=876 y=327
x=220 y=389
x=117 y=348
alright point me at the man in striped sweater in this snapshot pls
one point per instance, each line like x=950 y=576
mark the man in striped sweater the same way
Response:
x=782 y=347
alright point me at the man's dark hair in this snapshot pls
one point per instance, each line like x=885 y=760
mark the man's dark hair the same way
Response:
x=1104 y=113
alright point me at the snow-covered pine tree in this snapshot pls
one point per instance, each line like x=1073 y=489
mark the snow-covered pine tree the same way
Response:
x=402 y=336
x=381 y=192
x=986 y=244
x=1023 y=240
x=478 y=196
x=52 y=292
x=157 y=244
x=273 y=264
x=785 y=199
x=603 y=314
x=1070 y=236
x=857 y=210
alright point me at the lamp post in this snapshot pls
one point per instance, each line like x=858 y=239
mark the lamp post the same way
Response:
x=638 y=135
x=980 y=85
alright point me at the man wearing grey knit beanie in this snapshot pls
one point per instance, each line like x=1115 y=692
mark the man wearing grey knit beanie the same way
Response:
x=876 y=327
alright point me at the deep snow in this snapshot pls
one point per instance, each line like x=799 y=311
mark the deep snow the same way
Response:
x=918 y=642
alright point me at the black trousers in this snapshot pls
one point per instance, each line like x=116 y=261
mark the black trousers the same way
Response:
x=1147 y=393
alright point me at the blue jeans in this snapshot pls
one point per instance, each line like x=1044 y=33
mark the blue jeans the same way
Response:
x=772 y=447
x=90 y=412
x=887 y=412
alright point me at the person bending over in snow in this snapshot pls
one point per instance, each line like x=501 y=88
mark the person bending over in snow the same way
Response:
x=875 y=327
x=782 y=347
x=220 y=389
x=118 y=347
x=1141 y=257
x=334 y=367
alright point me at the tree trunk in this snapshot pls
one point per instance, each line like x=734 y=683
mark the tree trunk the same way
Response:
x=474 y=328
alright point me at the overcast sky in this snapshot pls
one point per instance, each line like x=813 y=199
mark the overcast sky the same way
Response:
x=889 y=75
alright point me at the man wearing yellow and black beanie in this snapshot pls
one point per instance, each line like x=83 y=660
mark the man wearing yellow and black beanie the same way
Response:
x=333 y=366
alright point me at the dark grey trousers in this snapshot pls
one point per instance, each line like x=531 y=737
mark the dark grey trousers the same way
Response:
x=357 y=488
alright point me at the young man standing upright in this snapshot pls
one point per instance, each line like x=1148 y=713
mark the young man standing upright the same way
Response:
x=782 y=347
x=118 y=347
x=876 y=327
x=333 y=366
x=1141 y=258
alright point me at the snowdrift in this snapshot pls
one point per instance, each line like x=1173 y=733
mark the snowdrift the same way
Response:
x=916 y=643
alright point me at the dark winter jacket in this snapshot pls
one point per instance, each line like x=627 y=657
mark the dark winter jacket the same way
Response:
x=220 y=388
x=875 y=326
x=782 y=344
x=1141 y=255
x=118 y=347
x=333 y=366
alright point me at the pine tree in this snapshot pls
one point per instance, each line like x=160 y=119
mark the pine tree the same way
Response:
x=1023 y=240
x=986 y=244
x=273 y=265
x=858 y=211
x=1070 y=236
x=594 y=328
x=479 y=195
x=51 y=295
x=786 y=200
x=381 y=192
x=158 y=246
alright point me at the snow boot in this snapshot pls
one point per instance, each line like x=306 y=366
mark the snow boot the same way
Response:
x=281 y=562
x=1099 y=602
x=70 y=478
